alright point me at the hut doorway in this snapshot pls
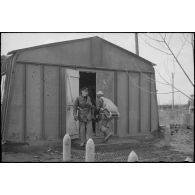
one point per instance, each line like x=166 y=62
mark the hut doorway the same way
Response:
x=88 y=79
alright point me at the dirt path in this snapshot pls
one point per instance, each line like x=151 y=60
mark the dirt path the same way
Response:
x=182 y=145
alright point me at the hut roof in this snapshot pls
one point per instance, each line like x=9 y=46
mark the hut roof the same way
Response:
x=75 y=40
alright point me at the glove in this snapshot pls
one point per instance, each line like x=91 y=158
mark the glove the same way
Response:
x=75 y=118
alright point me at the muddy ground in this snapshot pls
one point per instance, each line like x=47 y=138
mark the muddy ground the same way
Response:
x=148 y=150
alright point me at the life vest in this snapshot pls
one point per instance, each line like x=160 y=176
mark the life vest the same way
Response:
x=110 y=109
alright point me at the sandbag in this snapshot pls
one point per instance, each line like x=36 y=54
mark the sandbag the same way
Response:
x=110 y=109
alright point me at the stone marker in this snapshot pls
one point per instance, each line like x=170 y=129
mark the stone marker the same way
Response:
x=90 y=151
x=188 y=159
x=66 y=148
x=133 y=157
x=167 y=136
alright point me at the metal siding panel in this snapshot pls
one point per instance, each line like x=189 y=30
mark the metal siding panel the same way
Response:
x=105 y=83
x=15 y=124
x=114 y=57
x=145 y=103
x=122 y=97
x=134 y=103
x=33 y=102
x=51 y=99
x=73 y=53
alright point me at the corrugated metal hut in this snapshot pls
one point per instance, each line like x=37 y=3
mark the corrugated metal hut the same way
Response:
x=43 y=81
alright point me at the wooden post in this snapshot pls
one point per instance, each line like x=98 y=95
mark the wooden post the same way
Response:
x=66 y=148
x=133 y=157
x=90 y=151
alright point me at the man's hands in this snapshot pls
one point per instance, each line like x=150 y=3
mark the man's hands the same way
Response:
x=75 y=118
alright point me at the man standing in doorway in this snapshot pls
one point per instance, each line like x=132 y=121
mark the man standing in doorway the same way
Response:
x=84 y=106
x=104 y=121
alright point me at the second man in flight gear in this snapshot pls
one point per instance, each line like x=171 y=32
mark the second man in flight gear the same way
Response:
x=104 y=121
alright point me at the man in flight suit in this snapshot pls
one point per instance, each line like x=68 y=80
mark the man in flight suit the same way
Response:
x=103 y=120
x=84 y=106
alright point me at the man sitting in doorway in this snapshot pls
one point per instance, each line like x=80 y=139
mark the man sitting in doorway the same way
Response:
x=84 y=106
x=104 y=121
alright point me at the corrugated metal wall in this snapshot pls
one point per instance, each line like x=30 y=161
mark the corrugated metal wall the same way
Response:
x=15 y=123
x=38 y=110
x=137 y=103
x=134 y=105
x=34 y=107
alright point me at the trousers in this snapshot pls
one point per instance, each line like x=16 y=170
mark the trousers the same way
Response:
x=85 y=130
x=105 y=126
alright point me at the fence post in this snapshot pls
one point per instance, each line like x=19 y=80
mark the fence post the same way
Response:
x=90 y=151
x=133 y=157
x=66 y=148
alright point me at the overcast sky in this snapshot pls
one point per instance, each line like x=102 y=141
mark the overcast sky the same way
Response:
x=165 y=64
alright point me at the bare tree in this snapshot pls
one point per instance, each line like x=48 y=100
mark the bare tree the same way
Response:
x=163 y=45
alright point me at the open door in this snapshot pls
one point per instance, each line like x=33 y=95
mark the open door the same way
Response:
x=72 y=92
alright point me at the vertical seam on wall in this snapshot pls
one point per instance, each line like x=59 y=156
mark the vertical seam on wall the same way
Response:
x=43 y=101
x=115 y=99
x=139 y=130
x=150 y=102
x=128 y=103
x=25 y=109
x=60 y=104
x=65 y=99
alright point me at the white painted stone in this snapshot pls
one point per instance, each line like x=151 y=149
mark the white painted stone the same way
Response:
x=188 y=159
x=133 y=157
x=90 y=151
x=66 y=148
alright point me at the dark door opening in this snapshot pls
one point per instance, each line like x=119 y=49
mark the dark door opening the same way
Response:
x=88 y=79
